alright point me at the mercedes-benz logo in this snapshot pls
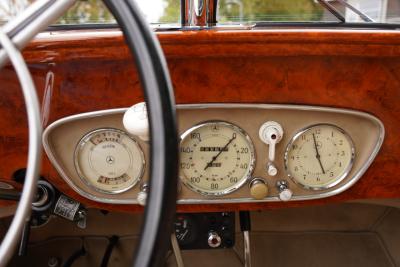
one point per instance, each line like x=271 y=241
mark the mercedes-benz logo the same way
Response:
x=110 y=159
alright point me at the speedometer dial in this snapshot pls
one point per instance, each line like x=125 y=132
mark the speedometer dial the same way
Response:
x=216 y=158
x=109 y=161
x=320 y=156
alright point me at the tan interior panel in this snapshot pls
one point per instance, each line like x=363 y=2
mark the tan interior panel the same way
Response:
x=365 y=130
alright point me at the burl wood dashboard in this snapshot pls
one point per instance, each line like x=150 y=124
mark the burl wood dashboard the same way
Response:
x=86 y=71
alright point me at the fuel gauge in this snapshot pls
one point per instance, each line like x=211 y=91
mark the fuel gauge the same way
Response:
x=109 y=160
x=185 y=229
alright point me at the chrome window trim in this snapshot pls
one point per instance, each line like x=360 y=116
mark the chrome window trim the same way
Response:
x=333 y=192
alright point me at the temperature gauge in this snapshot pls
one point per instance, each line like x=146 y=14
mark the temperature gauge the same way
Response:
x=109 y=161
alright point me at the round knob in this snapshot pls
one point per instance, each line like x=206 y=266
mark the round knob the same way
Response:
x=142 y=195
x=214 y=240
x=285 y=194
x=271 y=169
x=142 y=198
x=258 y=188
x=136 y=121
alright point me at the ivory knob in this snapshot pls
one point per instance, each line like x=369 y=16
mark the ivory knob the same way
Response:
x=258 y=188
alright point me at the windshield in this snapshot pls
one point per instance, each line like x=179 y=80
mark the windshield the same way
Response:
x=95 y=12
x=167 y=12
x=245 y=11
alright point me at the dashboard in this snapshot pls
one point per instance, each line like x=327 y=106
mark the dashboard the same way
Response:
x=229 y=153
x=296 y=78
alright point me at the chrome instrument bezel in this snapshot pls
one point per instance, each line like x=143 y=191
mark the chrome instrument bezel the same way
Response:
x=243 y=179
x=86 y=181
x=337 y=180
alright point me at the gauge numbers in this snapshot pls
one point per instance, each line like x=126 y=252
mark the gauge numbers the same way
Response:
x=109 y=161
x=319 y=157
x=216 y=158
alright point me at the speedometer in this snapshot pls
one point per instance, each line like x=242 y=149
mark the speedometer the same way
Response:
x=216 y=158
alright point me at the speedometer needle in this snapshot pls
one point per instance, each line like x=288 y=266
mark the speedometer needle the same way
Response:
x=318 y=156
x=219 y=153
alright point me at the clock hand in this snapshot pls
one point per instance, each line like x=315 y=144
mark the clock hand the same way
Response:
x=219 y=153
x=318 y=156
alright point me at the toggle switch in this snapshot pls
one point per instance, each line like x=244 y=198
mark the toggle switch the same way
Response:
x=271 y=133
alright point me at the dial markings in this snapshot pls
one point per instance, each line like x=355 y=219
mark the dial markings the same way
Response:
x=319 y=157
x=217 y=158
x=109 y=161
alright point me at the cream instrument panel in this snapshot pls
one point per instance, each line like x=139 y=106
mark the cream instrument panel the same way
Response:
x=229 y=153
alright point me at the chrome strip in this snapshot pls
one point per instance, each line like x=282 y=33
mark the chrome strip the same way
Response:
x=336 y=191
x=246 y=249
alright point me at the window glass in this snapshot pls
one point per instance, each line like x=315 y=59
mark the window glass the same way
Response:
x=94 y=11
x=245 y=11
x=271 y=10
x=160 y=12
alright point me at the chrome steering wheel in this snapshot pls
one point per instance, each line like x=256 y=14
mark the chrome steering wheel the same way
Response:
x=154 y=76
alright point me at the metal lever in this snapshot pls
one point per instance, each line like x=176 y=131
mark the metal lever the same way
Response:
x=23 y=245
x=245 y=227
x=176 y=250
x=10 y=194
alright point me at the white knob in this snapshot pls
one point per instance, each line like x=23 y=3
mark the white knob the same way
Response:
x=271 y=169
x=285 y=194
x=136 y=121
x=271 y=133
x=142 y=198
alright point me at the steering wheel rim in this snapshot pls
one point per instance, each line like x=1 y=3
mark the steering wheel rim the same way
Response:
x=154 y=76
x=157 y=87
x=34 y=151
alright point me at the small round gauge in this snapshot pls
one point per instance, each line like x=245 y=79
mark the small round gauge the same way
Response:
x=319 y=156
x=109 y=160
x=185 y=229
x=216 y=158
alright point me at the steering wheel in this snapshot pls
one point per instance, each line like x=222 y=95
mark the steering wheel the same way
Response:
x=158 y=92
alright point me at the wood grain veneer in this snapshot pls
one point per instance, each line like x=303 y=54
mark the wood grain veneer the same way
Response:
x=86 y=71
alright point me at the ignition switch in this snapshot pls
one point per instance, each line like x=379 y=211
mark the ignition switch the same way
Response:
x=214 y=240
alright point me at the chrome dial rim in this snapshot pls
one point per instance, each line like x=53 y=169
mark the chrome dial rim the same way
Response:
x=243 y=179
x=86 y=138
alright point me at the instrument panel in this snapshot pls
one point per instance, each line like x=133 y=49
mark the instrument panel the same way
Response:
x=229 y=153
